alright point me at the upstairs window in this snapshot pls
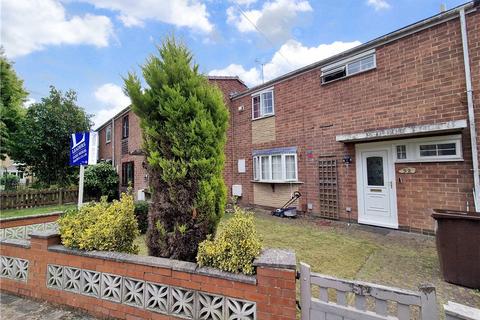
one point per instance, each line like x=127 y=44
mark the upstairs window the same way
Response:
x=125 y=127
x=348 y=67
x=275 y=168
x=262 y=104
x=108 y=134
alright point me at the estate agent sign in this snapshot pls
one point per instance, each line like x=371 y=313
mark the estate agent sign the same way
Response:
x=83 y=148
x=83 y=151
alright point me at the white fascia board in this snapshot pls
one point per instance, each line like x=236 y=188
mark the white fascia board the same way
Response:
x=403 y=131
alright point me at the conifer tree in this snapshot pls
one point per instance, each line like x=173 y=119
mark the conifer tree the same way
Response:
x=184 y=121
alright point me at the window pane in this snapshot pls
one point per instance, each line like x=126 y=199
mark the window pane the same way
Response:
x=290 y=167
x=367 y=63
x=401 y=152
x=375 y=171
x=447 y=149
x=277 y=167
x=267 y=106
x=428 y=150
x=256 y=107
x=354 y=67
x=265 y=168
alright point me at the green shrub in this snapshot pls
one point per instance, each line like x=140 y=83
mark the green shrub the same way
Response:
x=101 y=226
x=141 y=213
x=9 y=181
x=235 y=247
x=101 y=180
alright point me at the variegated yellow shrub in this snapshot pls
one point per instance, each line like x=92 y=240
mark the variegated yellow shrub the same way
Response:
x=101 y=226
x=235 y=247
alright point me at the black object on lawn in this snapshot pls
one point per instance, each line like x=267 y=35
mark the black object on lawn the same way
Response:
x=285 y=210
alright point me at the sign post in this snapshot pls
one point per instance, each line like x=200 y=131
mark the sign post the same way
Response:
x=83 y=151
x=80 y=186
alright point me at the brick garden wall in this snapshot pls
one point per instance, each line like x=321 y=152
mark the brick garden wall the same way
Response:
x=28 y=220
x=51 y=275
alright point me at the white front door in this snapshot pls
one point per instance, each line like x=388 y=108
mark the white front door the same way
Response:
x=375 y=184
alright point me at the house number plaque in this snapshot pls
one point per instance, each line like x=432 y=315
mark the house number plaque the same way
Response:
x=408 y=170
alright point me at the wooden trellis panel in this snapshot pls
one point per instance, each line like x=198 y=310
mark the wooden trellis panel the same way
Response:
x=328 y=184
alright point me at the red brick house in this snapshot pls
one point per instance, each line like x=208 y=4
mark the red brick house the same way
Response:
x=379 y=134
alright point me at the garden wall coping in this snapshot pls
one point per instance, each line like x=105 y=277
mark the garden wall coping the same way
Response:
x=16 y=242
x=276 y=258
x=269 y=258
x=33 y=216
x=175 y=265
x=44 y=234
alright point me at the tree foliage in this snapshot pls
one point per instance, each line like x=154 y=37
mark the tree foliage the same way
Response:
x=184 y=121
x=9 y=182
x=101 y=180
x=43 y=142
x=12 y=97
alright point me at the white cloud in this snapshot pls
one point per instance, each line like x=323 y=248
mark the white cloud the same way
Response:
x=297 y=55
x=29 y=102
x=244 y=2
x=275 y=19
x=181 y=13
x=378 y=4
x=112 y=100
x=31 y=25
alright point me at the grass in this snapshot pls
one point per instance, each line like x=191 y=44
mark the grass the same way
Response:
x=396 y=259
x=311 y=245
x=33 y=211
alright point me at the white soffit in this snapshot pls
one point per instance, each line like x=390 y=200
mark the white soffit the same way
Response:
x=403 y=131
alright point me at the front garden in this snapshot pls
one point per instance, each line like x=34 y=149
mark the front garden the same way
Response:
x=397 y=259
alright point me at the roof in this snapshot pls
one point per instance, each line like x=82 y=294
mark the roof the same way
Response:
x=123 y=111
x=392 y=36
x=237 y=78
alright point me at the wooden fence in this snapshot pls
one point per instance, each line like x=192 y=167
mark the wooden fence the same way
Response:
x=36 y=198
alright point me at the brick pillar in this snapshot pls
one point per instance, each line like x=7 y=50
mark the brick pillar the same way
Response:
x=276 y=276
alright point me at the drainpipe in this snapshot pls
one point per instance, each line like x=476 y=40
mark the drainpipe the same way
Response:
x=112 y=130
x=471 y=115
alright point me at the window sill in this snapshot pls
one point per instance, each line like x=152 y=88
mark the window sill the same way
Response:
x=277 y=182
x=264 y=117
x=108 y=142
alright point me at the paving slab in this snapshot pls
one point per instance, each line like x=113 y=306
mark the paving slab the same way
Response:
x=18 y=308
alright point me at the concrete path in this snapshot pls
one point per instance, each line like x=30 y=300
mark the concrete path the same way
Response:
x=16 y=308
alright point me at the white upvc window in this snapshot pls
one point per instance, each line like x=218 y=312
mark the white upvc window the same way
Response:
x=275 y=168
x=432 y=149
x=263 y=104
x=348 y=67
x=108 y=134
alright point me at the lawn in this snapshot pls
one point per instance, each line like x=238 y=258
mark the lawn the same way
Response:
x=33 y=211
x=399 y=259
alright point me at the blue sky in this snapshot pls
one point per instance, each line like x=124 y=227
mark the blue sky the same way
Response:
x=88 y=45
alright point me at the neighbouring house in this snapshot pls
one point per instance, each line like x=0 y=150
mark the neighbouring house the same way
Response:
x=8 y=166
x=379 y=134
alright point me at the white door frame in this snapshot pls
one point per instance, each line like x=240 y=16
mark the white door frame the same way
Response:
x=376 y=146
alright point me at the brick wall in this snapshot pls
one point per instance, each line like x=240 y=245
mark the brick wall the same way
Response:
x=419 y=80
x=24 y=221
x=272 y=290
